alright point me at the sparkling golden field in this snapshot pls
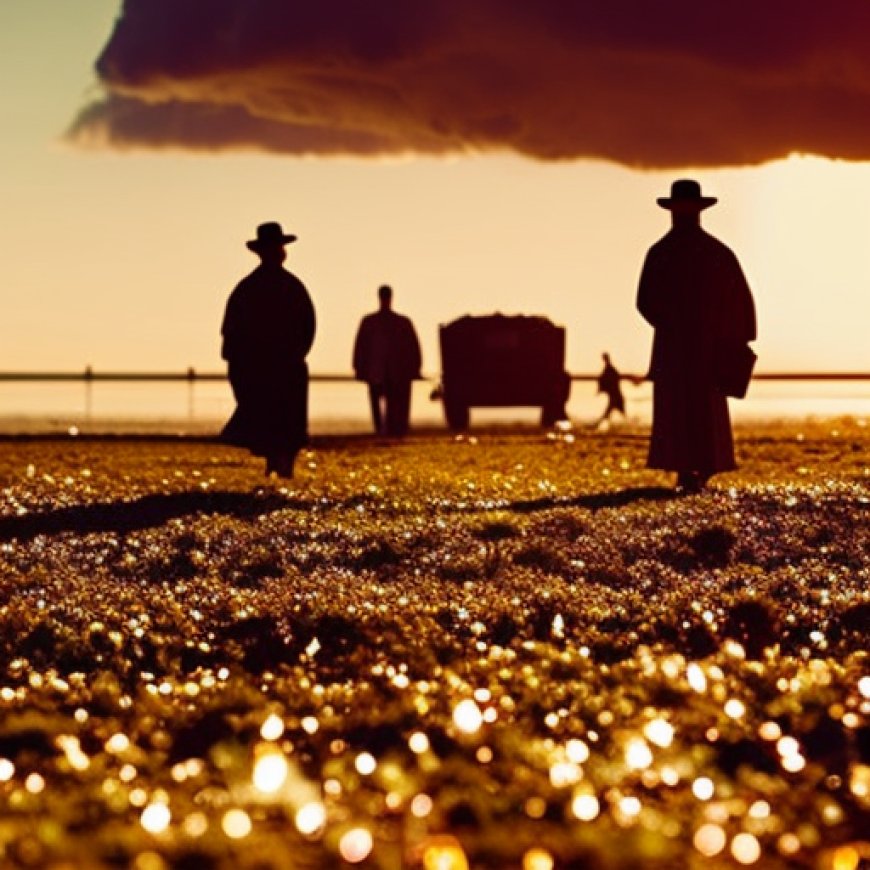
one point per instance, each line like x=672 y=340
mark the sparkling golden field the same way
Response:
x=508 y=650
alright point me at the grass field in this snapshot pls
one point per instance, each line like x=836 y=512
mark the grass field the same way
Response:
x=502 y=651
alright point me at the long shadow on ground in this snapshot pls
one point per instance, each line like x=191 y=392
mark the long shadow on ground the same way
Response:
x=596 y=501
x=151 y=511
x=141 y=513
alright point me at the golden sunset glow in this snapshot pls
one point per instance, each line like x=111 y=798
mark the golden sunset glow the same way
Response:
x=124 y=260
x=276 y=592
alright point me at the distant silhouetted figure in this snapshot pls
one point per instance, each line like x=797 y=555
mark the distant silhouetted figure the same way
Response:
x=386 y=355
x=693 y=293
x=268 y=329
x=610 y=383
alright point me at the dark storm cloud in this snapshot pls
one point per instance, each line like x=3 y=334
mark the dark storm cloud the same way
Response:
x=645 y=83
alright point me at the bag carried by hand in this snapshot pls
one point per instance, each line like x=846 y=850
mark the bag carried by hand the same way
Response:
x=734 y=369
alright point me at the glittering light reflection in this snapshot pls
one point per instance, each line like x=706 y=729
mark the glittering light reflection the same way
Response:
x=118 y=743
x=538 y=859
x=585 y=807
x=769 y=731
x=7 y=770
x=421 y=805
x=195 y=825
x=859 y=782
x=272 y=728
x=703 y=788
x=236 y=824
x=630 y=806
x=659 y=732
x=745 y=849
x=34 y=783
x=73 y=751
x=617 y=695
x=790 y=751
x=467 y=716
x=443 y=852
x=788 y=844
x=270 y=770
x=709 y=840
x=577 y=751
x=565 y=773
x=310 y=818
x=847 y=858
x=355 y=845
x=155 y=818
x=365 y=763
x=696 y=678
x=418 y=742
x=637 y=754
x=735 y=709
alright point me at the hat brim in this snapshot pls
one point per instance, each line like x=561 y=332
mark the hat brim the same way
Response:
x=257 y=244
x=698 y=204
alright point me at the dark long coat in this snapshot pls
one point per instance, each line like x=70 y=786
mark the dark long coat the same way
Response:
x=268 y=329
x=694 y=294
x=386 y=349
x=386 y=354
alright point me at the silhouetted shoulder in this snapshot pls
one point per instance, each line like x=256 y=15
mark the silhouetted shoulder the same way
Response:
x=291 y=282
x=689 y=236
x=688 y=245
x=264 y=277
x=719 y=247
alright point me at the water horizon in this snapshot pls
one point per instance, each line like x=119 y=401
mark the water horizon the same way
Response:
x=201 y=407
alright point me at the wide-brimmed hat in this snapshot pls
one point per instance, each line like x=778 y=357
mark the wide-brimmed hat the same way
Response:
x=686 y=193
x=269 y=235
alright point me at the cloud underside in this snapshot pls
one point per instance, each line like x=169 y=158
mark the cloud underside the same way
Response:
x=549 y=82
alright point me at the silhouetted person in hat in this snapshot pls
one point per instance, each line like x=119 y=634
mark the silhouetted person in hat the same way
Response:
x=610 y=383
x=268 y=329
x=386 y=355
x=693 y=293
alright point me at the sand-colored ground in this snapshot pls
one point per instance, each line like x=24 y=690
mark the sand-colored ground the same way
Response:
x=503 y=651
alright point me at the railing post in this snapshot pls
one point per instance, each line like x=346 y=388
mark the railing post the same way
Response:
x=89 y=392
x=191 y=380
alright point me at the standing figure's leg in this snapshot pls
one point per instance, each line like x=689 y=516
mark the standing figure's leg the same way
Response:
x=281 y=464
x=376 y=392
x=398 y=397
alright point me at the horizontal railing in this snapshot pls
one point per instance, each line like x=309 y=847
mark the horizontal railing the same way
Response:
x=89 y=375
x=191 y=375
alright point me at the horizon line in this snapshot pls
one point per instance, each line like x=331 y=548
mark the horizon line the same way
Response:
x=191 y=375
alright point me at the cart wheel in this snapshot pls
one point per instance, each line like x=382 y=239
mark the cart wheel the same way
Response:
x=456 y=414
x=551 y=414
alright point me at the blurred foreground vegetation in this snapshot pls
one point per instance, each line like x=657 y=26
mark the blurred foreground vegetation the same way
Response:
x=511 y=650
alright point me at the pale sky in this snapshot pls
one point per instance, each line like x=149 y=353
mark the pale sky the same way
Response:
x=125 y=260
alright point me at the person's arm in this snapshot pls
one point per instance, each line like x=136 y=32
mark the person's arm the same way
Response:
x=647 y=291
x=225 y=344
x=309 y=319
x=230 y=326
x=361 y=350
x=746 y=322
x=301 y=323
x=733 y=309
